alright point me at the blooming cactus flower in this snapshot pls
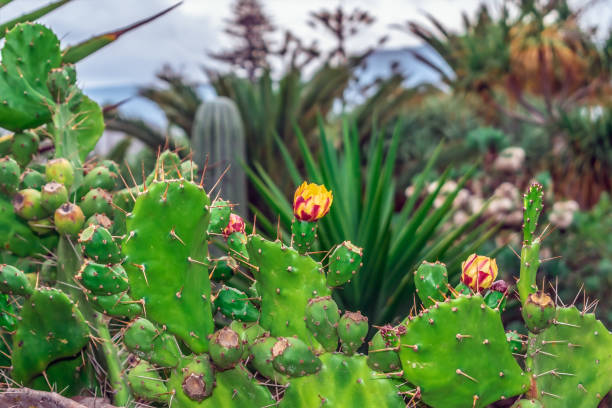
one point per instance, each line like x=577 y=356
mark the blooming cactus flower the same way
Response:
x=478 y=272
x=311 y=202
x=236 y=224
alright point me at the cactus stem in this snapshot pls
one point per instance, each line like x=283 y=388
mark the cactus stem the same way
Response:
x=459 y=372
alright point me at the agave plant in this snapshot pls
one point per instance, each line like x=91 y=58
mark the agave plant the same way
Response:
x=395 y=241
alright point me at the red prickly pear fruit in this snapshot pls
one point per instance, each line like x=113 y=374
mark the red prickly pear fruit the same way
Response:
x=69 y=219
x=53 y=195
x=61 y=171
x=28 y=204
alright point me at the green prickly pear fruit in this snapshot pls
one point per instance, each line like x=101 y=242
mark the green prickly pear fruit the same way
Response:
x=27 y=203
x=222 y=269
x=41 y=227
x=68 y=219
x=97 y=201
x=515 y=342
x=99 y=219
x=462 y=289
x=248 y=333
x=61 y=171
x=147 y=342
x=293 y=357
x=189 y=168
x=53 y=195
x=192 y=380
x=527 y=403
x=383 y=349
x=31 y=178
x=120 y=305
x=261 y=352
x=431 y=280
x=226 y=348
x=219 y=216
x=60 y=82
x=100 y=177
x=352 y=330
x=145 y=382
x=235 y=304
x=24 y=146
x=103 y=280
x=9 y=175
x=236 y=238
x=344 y=263
x=310 y=203
x=322 y=318
x=13 y=281
x=98 y=244
x=497 y=294
x=538 y=312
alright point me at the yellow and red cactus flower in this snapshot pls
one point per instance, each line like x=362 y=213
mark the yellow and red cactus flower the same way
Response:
x=311 y=202
x=478 y=272
x=236 y=224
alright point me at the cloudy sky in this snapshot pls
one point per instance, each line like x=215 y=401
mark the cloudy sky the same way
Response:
x=183 y=36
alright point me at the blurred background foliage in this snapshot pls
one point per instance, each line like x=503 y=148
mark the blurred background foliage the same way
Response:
x=427 y=171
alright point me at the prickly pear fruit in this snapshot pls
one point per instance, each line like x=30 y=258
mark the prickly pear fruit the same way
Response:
x=53 y=195
x=24 y=146
x=293 y=357
x=225 y=348
x=303 y=234
x=430 y=281
x=31 y=178
x=235 y=304
x=192 y=380
x=222 y=269
x=219 y=216
x=98 y=244
x=97 y=201
x=383 y=349
x=99 y=219
x=68 y=219
x=527 y=403
x=103 y=280
x=61 y=171
x=120 y=305
x=13 y=281
x=100 y=177
x=497 y=294
x=538 y=312
x=236 y=238
x=462 y=289
x=145 y=382
x=147 y=342
x=261 y=351
x=189 y=169
x=515 y=342
x=344 y=263
x=9 y=175
x=248 y=333
x=322 y=318
x=352 y=330
x=60 y=82
x=28 y=204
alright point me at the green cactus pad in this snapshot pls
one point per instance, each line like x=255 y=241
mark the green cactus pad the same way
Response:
x=13 y=281
x=146 y=341
x=145 y=382
x=352 y=330
x=457 y=353
x=235 y=304
x=286 y=281
x=344 y=263
x=29 y=53
x=103 y=280
x=430 y=281
x=24 y=147
x=293 y=357
x=226 y=348
x=219 y=216
x=7 y=314
x=71 y=376
x=120 y=305
x=322 y=318
x=51 y=327
x=9 y=175
x=532 y=207
x=222 y=269
x=166 y=249
x=527 y=403
x=31 y=178
x=343 y=382
x=98 y=244
x=572 y=360
x=192 y=381
x=530 y=262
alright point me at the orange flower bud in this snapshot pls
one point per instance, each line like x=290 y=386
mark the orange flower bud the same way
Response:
x=478 y=272
x=311 y=202
x=236 y=224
